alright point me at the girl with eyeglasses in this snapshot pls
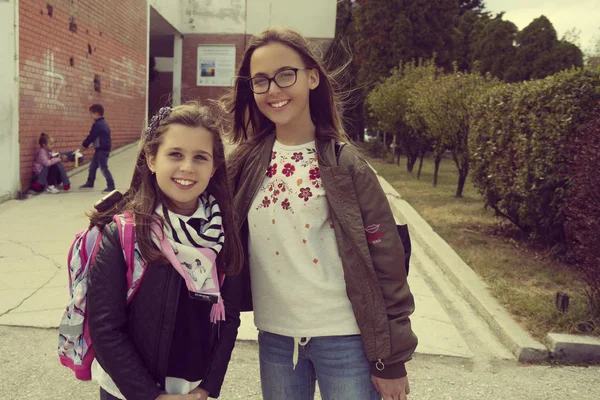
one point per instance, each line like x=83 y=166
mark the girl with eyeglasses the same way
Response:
x=324 y=266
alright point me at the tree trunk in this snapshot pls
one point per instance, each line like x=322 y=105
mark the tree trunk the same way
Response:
x=420 y=164
x=462 y=178
x=410 y=162
x=398 y=158
x=436 y=170
x=463 y=172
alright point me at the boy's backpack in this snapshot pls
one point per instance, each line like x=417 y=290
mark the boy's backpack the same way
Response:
x=402 y=229
x=75 y=348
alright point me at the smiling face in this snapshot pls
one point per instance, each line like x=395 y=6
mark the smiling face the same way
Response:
x=183 y=165
x=283 y=106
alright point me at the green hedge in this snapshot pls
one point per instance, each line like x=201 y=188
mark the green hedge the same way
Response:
x=520 y=147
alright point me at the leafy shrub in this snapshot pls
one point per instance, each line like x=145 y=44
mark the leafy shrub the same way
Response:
x=582 y=211
x=520 y=149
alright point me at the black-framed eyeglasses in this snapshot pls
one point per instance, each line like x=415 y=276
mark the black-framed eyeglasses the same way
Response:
x=284 y=78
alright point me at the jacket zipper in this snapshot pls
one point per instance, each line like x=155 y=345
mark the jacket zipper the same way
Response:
x=162 y=313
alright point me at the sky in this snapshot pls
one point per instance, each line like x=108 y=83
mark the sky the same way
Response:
x=584 y=15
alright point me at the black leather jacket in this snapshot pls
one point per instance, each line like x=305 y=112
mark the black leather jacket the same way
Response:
x=132 y=342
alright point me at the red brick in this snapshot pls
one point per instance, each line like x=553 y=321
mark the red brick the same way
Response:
x=123 y=38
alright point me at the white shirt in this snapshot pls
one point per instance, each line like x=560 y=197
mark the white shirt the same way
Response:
x=298 y=286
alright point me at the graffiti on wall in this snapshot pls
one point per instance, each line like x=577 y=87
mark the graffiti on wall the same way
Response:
x=54 y=81
x=46 y=92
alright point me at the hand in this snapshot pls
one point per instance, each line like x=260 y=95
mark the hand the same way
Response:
x=392 y=389
x=179 y=397
x=204 y=393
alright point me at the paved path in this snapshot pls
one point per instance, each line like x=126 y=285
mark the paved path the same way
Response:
x=36 y=233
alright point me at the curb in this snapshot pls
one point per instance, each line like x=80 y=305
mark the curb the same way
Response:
x=522 y=345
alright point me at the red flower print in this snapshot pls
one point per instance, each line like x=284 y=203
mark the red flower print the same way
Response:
x=297 y=157
x=275 y=199
x=266 y=202
x=315 y=174
x=276 y=193
x=272 y=170
x=285 y=204
x=273 y=155
x=288 y=170
x=305 y=194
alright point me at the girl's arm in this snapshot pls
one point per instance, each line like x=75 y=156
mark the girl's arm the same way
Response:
x=231 y=292
x=387 y=254
x=108 y=323
x=45 y=159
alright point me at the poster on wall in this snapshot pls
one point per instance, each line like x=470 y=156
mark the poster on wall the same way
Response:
x=216 y=65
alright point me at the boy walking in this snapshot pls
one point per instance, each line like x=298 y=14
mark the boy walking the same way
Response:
x=99 y=137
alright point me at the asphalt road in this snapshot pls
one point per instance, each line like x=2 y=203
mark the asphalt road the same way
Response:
x=29 y=369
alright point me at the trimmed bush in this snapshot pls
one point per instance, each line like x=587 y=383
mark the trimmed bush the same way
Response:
x=520 y=148
x=582 y=211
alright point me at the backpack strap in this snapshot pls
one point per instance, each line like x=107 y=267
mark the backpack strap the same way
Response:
x=127 y=237
x=338 y=151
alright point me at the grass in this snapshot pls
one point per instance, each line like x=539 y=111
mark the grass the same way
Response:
x=522 y=275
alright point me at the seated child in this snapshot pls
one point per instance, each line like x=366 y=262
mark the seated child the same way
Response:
x=48 y=170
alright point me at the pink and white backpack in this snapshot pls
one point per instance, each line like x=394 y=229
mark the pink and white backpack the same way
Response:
x=75 y=349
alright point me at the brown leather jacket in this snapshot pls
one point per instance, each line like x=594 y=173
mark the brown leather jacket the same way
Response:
x=369 y=246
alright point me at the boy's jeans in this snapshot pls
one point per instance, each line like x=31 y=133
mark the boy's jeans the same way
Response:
x=338 y=363
x=100 y=160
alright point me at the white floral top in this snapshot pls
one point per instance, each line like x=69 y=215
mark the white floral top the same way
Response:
x=298 y=285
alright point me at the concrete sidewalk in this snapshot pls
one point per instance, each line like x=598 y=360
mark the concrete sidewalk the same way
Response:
x=35 y=235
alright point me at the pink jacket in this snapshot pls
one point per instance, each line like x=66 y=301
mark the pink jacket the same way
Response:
x=43 y=159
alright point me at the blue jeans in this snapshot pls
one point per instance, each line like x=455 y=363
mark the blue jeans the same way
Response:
x=100 y=160
x=337 y=363
x=43 y=176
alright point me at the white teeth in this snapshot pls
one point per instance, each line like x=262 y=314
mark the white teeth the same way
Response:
x=184 y=182
x=280 y=104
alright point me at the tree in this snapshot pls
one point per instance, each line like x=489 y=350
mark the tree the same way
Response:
x=476 y=6
x=492 y=45
x=394 y=31
x=421 y=100
x=389 y=105
x=447 y=113
x=466 y=34
x=340 y=61
x=541 y=54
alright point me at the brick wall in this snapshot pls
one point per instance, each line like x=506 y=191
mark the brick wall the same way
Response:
x=189 y=90
x=58 y=64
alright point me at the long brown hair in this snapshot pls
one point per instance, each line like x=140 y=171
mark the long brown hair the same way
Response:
x=249 y=126
x=325 y=104
x=144 y=195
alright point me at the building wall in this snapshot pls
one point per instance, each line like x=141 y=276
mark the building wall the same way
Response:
x=189 y=90
x=235 y=21
x=170 y=10
x=9 y=106
x=64 y=47
x=314 y=18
